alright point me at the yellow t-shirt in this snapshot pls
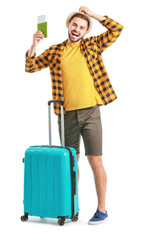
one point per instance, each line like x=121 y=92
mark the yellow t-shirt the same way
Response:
x=78 y=84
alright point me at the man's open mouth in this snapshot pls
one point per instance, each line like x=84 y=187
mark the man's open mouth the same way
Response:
x=75 y=34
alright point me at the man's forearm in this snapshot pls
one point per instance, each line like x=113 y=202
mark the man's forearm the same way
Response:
x=98 y=17
x=32 y=51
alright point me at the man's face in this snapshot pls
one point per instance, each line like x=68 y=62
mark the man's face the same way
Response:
x=77 y=28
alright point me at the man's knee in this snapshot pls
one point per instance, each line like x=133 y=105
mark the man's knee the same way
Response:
x=95 y=161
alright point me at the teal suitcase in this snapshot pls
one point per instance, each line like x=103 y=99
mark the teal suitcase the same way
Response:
x=51 y=180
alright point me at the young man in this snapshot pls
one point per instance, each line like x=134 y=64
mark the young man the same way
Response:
x=79 y=78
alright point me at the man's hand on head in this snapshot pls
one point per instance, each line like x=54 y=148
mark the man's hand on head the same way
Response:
x=91 y=14
x=86 y=11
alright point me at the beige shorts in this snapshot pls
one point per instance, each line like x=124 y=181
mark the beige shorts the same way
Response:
x=86 y=123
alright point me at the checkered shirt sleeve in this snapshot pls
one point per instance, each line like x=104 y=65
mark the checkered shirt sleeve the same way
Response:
x=107 y=38
x=34 y=64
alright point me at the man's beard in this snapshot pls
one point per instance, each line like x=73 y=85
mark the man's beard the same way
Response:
x=72 y=40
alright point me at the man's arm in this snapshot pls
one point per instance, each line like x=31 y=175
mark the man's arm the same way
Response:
x=37 y=37
x=109 y=37
x=33 y=63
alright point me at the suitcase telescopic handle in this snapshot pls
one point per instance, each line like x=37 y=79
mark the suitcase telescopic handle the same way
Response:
x=62 y=121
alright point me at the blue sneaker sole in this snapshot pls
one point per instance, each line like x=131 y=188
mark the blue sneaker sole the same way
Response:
x=97 y=222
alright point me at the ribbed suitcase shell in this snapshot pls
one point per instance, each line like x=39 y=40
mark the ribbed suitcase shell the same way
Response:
x=48 y=182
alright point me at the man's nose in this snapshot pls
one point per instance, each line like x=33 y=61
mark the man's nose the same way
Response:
x=77 y=28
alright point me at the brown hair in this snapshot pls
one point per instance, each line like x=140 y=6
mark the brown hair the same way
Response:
x=80 y=16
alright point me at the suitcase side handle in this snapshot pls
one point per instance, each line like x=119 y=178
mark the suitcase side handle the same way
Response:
x=74 y=180
x=62 y=121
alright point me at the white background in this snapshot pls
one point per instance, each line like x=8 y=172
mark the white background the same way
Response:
x=128 y=123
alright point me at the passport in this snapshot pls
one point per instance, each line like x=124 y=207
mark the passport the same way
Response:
x=42 y=25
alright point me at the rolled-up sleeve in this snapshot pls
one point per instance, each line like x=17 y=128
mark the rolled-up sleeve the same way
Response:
x=34 y=64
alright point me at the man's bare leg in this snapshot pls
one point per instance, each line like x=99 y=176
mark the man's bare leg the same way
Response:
x=100 y=178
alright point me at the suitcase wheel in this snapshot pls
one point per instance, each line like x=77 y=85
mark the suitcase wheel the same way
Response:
x=61 y=222
x=24 y=218
x=75 y=218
